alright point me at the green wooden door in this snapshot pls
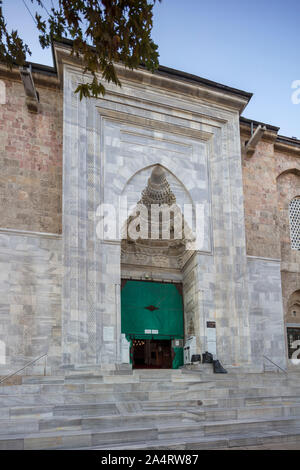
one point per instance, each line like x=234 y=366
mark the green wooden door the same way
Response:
x=152 y=310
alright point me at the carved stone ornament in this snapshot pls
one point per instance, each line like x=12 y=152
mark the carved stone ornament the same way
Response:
x=160 y=252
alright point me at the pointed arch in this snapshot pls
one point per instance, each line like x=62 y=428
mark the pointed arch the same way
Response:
x=292 y=171
x=147 y=169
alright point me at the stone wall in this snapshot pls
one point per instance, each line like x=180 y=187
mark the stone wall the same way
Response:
x=30 y=306
x=288 y=187
x=30 y=159
x=265 y=312
x=260 y=200
x=271 y=179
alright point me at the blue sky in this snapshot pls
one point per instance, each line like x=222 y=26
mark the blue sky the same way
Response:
x=251 y=45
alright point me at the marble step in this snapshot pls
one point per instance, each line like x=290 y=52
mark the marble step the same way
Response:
x=174 y=376
x=96 y=370
x=154 y=389
x=42 y=379
x=132 y=410
x=46 y=397
x=9 y=399
x=49 y=411
x=265 y=412
x=103 y=409
x=212 y=442
x=251 y=424
x=208 y=428
x=58 y=423
x=151 y=386
x=109 y=387
x=89 y=438
x=74 y=439
x=139 y=375
x=163 y=374
x=43 y=404
x=226 y=403
x=181 y=379
x=242 y=402
x=222 y=397
x=54 y=421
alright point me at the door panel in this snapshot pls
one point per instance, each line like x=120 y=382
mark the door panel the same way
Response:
x=152 y=312
x=151 y=306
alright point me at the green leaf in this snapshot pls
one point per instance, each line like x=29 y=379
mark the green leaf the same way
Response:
x=103 y=32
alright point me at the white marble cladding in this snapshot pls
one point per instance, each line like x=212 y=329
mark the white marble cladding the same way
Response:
x=30 y=305
x=106 y=143
x=266 y=312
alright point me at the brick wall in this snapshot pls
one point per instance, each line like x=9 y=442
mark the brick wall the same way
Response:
x=30 y=160
x=260 y=200
x=288 y=187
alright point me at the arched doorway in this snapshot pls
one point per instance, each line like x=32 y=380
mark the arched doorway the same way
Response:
x=152 y=263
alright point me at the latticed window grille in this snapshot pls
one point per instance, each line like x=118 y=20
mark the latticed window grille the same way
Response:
x=294 y=210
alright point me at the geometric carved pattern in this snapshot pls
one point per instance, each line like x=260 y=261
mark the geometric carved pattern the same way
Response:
x=158 y=190
x=294 y=213
x=91 y=279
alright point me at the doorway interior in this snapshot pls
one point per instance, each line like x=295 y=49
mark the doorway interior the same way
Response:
x=151 y=354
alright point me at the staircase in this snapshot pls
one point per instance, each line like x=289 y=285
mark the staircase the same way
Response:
x=149 y=409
